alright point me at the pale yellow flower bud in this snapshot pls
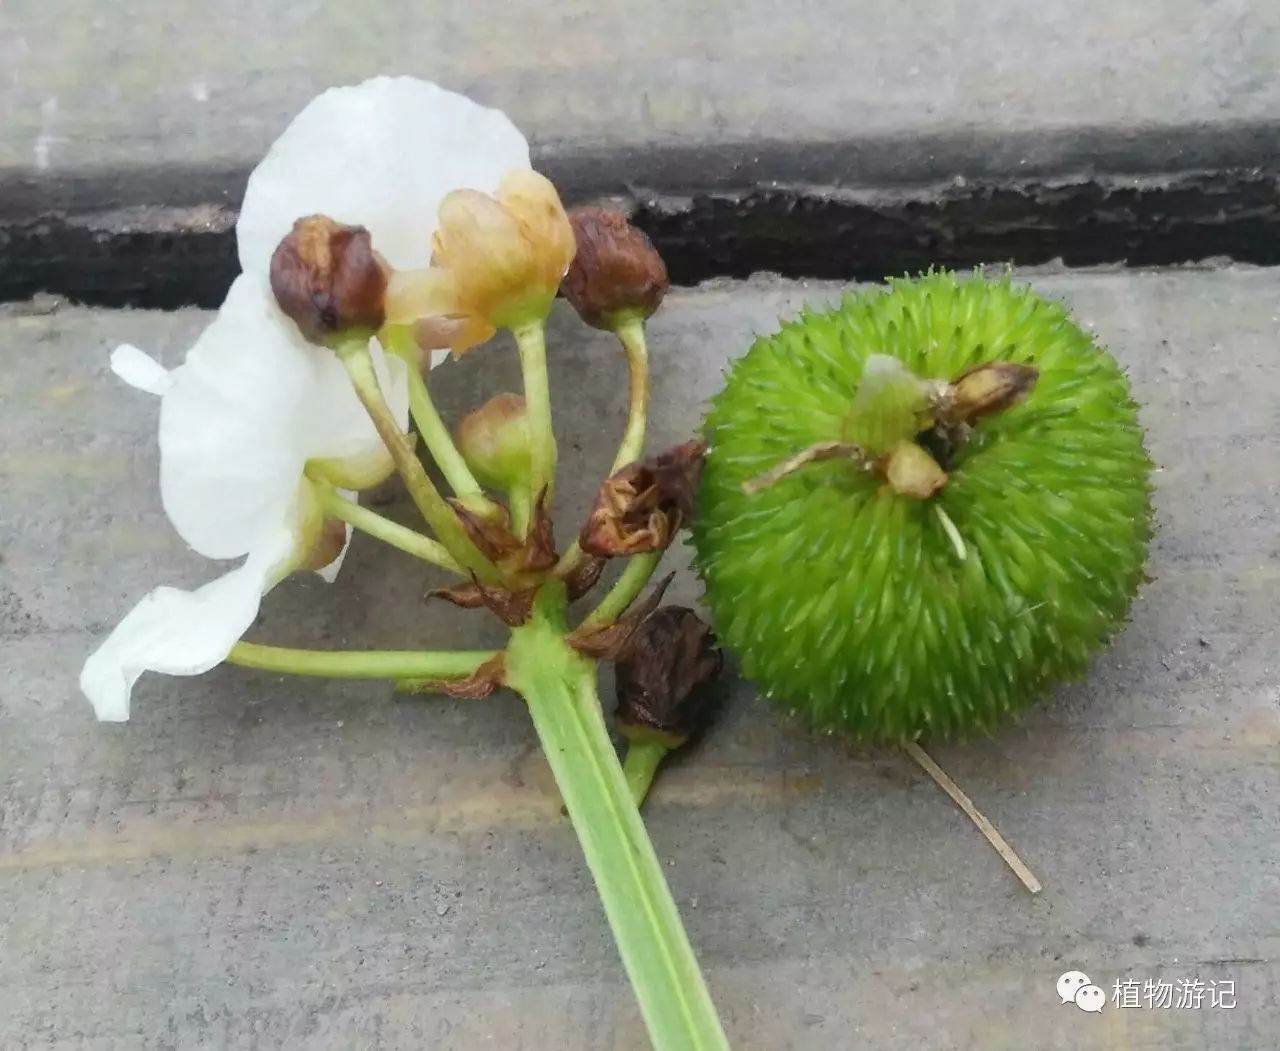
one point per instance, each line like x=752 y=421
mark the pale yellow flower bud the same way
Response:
x=497 y=263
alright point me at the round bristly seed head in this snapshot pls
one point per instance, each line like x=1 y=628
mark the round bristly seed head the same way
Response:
x=888 y=616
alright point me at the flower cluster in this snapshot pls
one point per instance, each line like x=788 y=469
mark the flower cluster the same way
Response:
x=258 y=420
x=390 y=222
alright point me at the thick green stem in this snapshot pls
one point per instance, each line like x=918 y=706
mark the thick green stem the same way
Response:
x=435 y=435
x=560 y=689
x=398 y=536
x=630 y=333
x=439 y=515
x=531 y=341
x=624 y=591
x=360 y=664
x=641 y=765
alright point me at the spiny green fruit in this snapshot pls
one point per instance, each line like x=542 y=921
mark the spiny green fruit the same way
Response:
x=887 y=616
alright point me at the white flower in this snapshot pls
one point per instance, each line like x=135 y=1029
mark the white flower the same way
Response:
x=253 y=403
x=381 y=155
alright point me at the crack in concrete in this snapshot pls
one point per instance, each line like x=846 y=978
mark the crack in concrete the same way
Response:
x=167 y=257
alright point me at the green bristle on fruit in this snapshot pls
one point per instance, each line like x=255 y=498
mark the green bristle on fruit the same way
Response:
x=887 y=616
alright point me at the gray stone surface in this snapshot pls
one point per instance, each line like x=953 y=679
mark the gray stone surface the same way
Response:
x=205 y=85
x=257 y=862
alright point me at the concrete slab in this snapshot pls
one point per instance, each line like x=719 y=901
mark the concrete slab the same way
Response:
x=141 y=85
x=257 y=862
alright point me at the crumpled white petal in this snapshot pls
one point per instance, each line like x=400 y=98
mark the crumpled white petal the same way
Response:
x=252 y=403
x=181 y=632
x=231 y=448
x=381 y=154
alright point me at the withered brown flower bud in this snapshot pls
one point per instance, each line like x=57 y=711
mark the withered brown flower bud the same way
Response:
x=662 y=681
x=616 y=273
x=990 y=388
x=643 y=506
x=328 y=279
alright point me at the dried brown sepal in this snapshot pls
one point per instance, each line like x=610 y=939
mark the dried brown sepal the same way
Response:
x=493 y=536
x=616 y=271
x=510 y=607
x=476 y=686
x=328 y=279
x=583 y=577
x=467 y=596
x=611 y=642
x=643 y=506
x=661 y=681
x=539 y=548
x=990 y=388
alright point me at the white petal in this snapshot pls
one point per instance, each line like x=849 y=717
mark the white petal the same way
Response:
x=140 y=370
x=181 y=632
x=339 y=425
x=235 y=424
x=380 y=154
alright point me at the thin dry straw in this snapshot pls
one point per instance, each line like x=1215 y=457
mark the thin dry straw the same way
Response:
x=966 y=804
x=820 y=451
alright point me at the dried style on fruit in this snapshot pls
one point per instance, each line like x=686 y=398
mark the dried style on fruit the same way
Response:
x=886 y=612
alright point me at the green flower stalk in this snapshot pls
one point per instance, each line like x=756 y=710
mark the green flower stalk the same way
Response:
x=923 y=508
x=615 y=282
